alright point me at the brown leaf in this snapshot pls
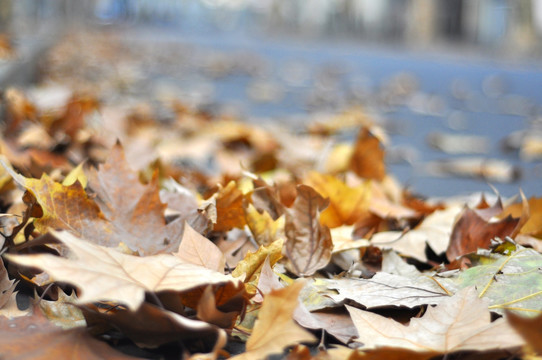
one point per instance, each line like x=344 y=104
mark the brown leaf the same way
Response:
x=229 y=208
x=151 y=326
x=275 y=329
x=473 y=230
x=197 y=249
x=34 y=338
x=135 y=210
x=208 y=311
x=529 y=328
x=367 y=160
x=460 y=323
x=17 y=106
x=308 y=243
x=104 y=274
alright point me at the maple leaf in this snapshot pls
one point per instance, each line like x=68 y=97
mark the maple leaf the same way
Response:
x=384 y=289
x=35 y=338
x=474 y=230
x=509 y=281
x=135 y=210
x=367 y=159
x=198 y=250
x=104 y=274
x=134 y=217
x=347 y=205
x=275 y=329
x=308 y=243
x=460 y=323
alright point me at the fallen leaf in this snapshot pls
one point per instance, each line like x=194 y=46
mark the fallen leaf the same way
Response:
x=367 y=160
x=275 y=329
x=385 y=289
x=104 y=274
x=308 y=243
x=264 y=229
x=471 y=232
x=251 y=266
x=530 y=329
x=7 y=286
x=208 y=311
x=460 y=323
x=197 y=249
x=62 y=312
x=151 y=326
x=34 y=338
x=77 y=174
x=509 y=281
x=134 y=210
x=533 y=226
x=347 y=205
x=435 y=230
x=229 y=208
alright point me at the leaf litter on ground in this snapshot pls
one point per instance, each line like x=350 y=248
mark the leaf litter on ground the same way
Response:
x=189 y=235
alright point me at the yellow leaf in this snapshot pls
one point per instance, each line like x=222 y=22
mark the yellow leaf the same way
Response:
x=77 y=174
x=251 y=265
x=533 y=226
x=275 y=328
x=262 y=226
x=347 y=205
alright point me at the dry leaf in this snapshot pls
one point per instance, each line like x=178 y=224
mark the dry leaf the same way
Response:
x=251 y=266
x=197 y=249
x=308 y=243
x=229 y=208
x=533 y=225
x=62 y=312
x=529 y=328
x=264 y=229
x=472 y=232
x=367 y=160
x=134 y=210
x=151 y=326
x=275 y=329
x=460 y=323
x=104 y=274
x=34 y=338
x=347 y=205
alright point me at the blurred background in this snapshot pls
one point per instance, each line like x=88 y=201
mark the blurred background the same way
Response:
x=456 y=84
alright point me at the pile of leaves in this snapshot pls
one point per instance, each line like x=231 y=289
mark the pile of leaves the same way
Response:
x=203 y=237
